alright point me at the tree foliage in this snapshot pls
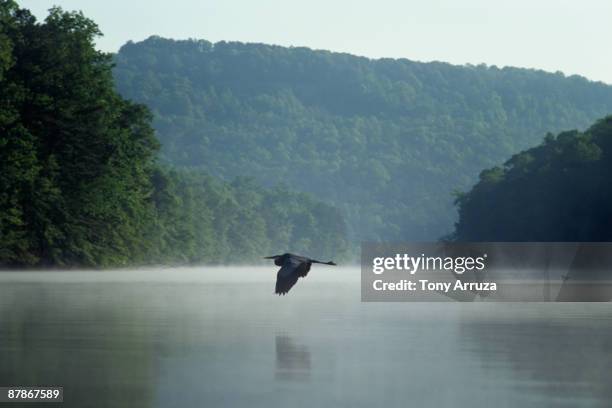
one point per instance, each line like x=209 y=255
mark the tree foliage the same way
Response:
x=385 y=140
x=557 y=191
x=79 y=181
x=203 y=219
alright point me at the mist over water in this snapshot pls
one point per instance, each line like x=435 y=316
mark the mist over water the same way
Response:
x=219 y=337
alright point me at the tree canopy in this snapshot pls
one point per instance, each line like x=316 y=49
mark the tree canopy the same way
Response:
x=557 y=191
x=79 y=179
x=387 y=141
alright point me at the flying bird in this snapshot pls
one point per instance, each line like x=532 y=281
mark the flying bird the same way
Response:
x=292 y=268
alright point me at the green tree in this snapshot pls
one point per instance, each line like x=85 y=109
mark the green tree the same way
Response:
x=76 y=157
x=386 y=141
x=557 y=191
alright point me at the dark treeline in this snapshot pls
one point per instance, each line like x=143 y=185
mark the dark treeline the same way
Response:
x=387 y=141
x=79 y=181
x=558 y=191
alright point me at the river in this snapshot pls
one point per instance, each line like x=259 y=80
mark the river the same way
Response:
x=219 y=337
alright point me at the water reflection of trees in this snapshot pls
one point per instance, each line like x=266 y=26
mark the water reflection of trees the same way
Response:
x=563 y=362
x=100 y=355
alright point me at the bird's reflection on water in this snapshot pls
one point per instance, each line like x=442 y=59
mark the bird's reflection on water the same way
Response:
x=292 y=360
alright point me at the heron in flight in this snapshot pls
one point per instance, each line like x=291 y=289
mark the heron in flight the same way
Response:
x=292 y=268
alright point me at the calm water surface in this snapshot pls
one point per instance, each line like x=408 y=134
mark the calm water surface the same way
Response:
x=218 y=337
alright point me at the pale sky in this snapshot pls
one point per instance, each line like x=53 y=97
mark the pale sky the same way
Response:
x=553 y=35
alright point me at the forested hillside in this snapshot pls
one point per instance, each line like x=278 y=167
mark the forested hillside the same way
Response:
x=79 y=180
x=557 y=191
x=388 y=141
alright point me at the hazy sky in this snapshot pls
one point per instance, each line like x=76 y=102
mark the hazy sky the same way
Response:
x=554 y=35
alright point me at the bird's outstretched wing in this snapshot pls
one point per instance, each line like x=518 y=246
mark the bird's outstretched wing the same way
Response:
x=289 y=273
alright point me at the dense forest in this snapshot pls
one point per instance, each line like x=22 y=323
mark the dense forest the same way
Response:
x=141 y=157
x=387 y=141
x=557 y=191
x=80 y=183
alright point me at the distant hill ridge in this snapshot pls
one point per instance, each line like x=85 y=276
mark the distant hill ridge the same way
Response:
x=385 y=140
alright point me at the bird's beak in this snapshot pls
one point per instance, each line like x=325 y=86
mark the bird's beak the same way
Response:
x=269 y=257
